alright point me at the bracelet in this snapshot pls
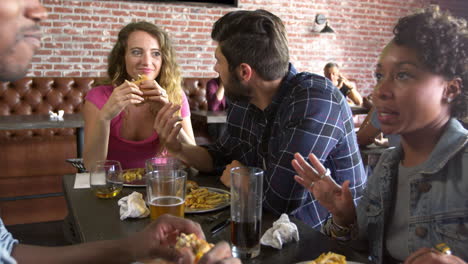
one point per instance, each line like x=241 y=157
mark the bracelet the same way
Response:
x=443 y=248
x=340 y=232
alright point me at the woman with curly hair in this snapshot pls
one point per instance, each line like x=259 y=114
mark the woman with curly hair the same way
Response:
x=119 y=117
x=417 y=197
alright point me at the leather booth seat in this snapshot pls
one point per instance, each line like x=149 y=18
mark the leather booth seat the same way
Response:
x=32 y=162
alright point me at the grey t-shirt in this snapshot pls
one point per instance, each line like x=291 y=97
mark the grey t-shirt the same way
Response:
x=397 y=232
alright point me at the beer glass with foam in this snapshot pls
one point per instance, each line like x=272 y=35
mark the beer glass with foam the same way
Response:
x=246 y=211
x=106 y=178
x=165 y=192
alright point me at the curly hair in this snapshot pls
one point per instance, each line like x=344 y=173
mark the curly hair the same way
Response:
x=257 y=38
x=441 y=42
x=169 y=77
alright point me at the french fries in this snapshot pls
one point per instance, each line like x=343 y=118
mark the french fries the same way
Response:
x=133 y=174
x=329 y=258
x=202 y=198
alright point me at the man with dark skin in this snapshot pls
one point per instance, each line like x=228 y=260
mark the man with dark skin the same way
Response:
x=21 y=38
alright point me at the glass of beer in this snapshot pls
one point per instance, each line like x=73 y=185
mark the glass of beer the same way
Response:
x=106 y=178
x=165 y=192
x=246 y=211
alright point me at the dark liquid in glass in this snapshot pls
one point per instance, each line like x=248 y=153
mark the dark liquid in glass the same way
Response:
x=245 y=234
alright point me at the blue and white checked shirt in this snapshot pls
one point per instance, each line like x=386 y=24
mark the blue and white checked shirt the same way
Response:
x=309 y=115
x=7 y=242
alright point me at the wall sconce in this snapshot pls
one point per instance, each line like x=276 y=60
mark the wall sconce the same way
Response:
x=321 y=25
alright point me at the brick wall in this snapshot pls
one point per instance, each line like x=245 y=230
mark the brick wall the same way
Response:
x=79 y=34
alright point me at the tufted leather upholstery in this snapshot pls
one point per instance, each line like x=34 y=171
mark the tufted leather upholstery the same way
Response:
x=33 y=161
x=30 y=96
x=195 y=89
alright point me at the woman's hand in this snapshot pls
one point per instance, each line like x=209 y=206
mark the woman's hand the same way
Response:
x=432 y=256
x=153 y=92
x=122 y=96
x=337 y=199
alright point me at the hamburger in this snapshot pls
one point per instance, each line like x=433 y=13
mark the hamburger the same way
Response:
x=198 y=246
x=141 y=78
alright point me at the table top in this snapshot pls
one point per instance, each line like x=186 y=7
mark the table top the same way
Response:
x=98 y=219
x=359 y=110
x=14 y=122
x=209 y=117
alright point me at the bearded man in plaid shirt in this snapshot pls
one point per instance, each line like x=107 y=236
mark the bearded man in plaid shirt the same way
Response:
x=275 y=112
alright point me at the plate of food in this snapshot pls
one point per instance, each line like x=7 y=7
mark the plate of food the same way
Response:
x=134 y=177
x=315 y=262
x=200 y=199
x=327 y=258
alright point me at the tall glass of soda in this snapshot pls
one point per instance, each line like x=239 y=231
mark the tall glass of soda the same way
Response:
x=246 y=211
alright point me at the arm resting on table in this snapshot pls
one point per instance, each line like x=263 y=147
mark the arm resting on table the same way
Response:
x=97 y=252
x=196 y=156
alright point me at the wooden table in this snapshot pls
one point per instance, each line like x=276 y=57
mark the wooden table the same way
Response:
x=17 y=122
x=209 y=117
x=98 y=219
x=359 y=110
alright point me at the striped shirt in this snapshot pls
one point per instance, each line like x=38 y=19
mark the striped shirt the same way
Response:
x=307 y=115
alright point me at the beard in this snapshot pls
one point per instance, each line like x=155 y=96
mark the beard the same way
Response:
x=235 y=90
x=16 y=58
x=11 y=72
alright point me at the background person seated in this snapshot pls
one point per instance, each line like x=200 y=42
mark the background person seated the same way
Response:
x=348 y=88
x=369 y=132
x=119 y=117
x=216 y=102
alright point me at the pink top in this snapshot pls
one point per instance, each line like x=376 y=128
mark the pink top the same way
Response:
x=131 y=154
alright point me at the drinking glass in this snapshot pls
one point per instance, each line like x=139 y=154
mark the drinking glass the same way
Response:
x=106 y=178
x=246 y=211
x=160 y=163
x=165 y=192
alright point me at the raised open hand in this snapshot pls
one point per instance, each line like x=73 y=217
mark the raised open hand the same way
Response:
x=337 y=199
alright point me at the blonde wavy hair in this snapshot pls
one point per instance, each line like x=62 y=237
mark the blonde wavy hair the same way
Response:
x=169 y=77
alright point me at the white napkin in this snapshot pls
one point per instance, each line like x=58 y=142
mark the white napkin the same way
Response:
x=283 y=231
x=133 y=206
x=81 y=181
x=56 y=116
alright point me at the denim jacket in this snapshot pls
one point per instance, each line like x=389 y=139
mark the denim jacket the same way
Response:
x=438 y=199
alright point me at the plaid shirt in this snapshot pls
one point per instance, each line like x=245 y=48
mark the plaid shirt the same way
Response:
x=309 y=114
